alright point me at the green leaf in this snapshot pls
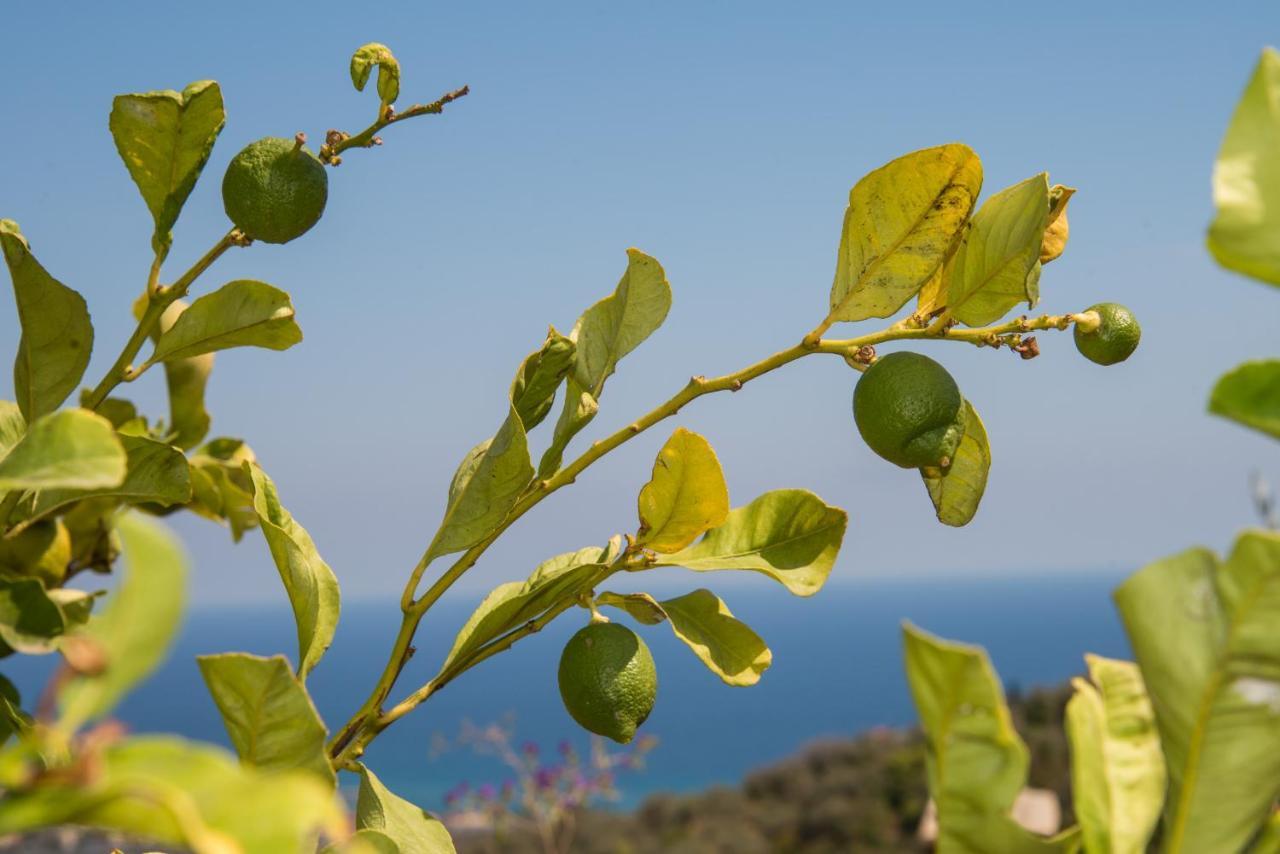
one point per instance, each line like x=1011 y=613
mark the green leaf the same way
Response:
x=620 y=322
x=485 y=487
x=1245 y=233
x=29 y=619
x=534 y=389
x=685 y=497
x=57 y=336
x=73 y=449
x=1249 y=394
x=268 y=713
x=902 y=222
x=362 y=63
x=977 y=764
x=1117 y=770
x=993 y=268
x=790 y=535
x=183 y=793
x=165 y=138
x=725 y=644
x=1269 y=841
x=309 y=582
x=13 y=721
x=1207 y=637
x=408 y=825
x=366 y=842
x=138 y=624
x=579 y=408
x=956 y=490
x=156 y=473
x=243 y=313
x=510 y=605
x=12 y=426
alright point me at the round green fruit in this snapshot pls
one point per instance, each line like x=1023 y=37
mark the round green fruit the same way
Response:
x=275 y=190
x=909 y=410
x=608 y=680
x=42 y=550
x=1114 y=339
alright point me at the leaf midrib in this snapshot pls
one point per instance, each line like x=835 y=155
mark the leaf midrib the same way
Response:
x=1195 y=749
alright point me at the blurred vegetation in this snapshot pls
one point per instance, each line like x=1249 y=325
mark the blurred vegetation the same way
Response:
x=863 y=794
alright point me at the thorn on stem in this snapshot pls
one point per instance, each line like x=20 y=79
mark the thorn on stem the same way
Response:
x=299 y=140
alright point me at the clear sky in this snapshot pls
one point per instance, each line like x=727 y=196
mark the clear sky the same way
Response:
x=721 y=138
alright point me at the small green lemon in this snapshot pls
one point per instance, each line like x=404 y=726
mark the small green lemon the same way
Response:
x=1114 y=339
x=608 y=680
x=275 y=190
x=909 y=410
x=42 y=550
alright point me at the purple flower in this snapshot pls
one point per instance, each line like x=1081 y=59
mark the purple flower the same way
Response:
x=566 y=749
x=529 y=749
x=546 y=776
x=486 y=792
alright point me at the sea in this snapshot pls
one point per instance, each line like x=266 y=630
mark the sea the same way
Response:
x=837 y=671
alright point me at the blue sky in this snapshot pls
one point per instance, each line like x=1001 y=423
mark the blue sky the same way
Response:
x=723 y=139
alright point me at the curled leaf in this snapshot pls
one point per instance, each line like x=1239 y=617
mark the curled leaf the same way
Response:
x=362 y=63
x=1057 y=231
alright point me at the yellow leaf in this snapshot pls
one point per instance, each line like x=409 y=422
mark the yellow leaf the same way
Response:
x=903 y=221
x=1057 y=231
x=685 y=498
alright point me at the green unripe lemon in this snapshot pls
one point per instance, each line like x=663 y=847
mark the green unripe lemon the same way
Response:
x=1114 y=339
x=42 y=550
x=909 y=410
x=608 y=680
x=275 y=190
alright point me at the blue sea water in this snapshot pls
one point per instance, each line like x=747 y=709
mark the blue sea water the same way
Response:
x=836 y=671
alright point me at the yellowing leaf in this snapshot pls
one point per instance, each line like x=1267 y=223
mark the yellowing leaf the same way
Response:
x=1206 y=634
x=243 y=313
x=165 y=138
x=73 y=448
x=509 y=605
x=1057 y=230
x=138 y=624
x=991 y=268
x=902 y=222
x=408 y=825
x=1245 y=233
x=977 y=763
x=790 y=535
x=620 y=322
x=309 y=582
x=686 y=496
x=188 y=794
x=701 y=619
x=1117 y=770
x=267 y=712
x=487 y=484
x=957 y=489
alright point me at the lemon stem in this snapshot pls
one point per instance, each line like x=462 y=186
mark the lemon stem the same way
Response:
x=1087 y=321
x=369 y=720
